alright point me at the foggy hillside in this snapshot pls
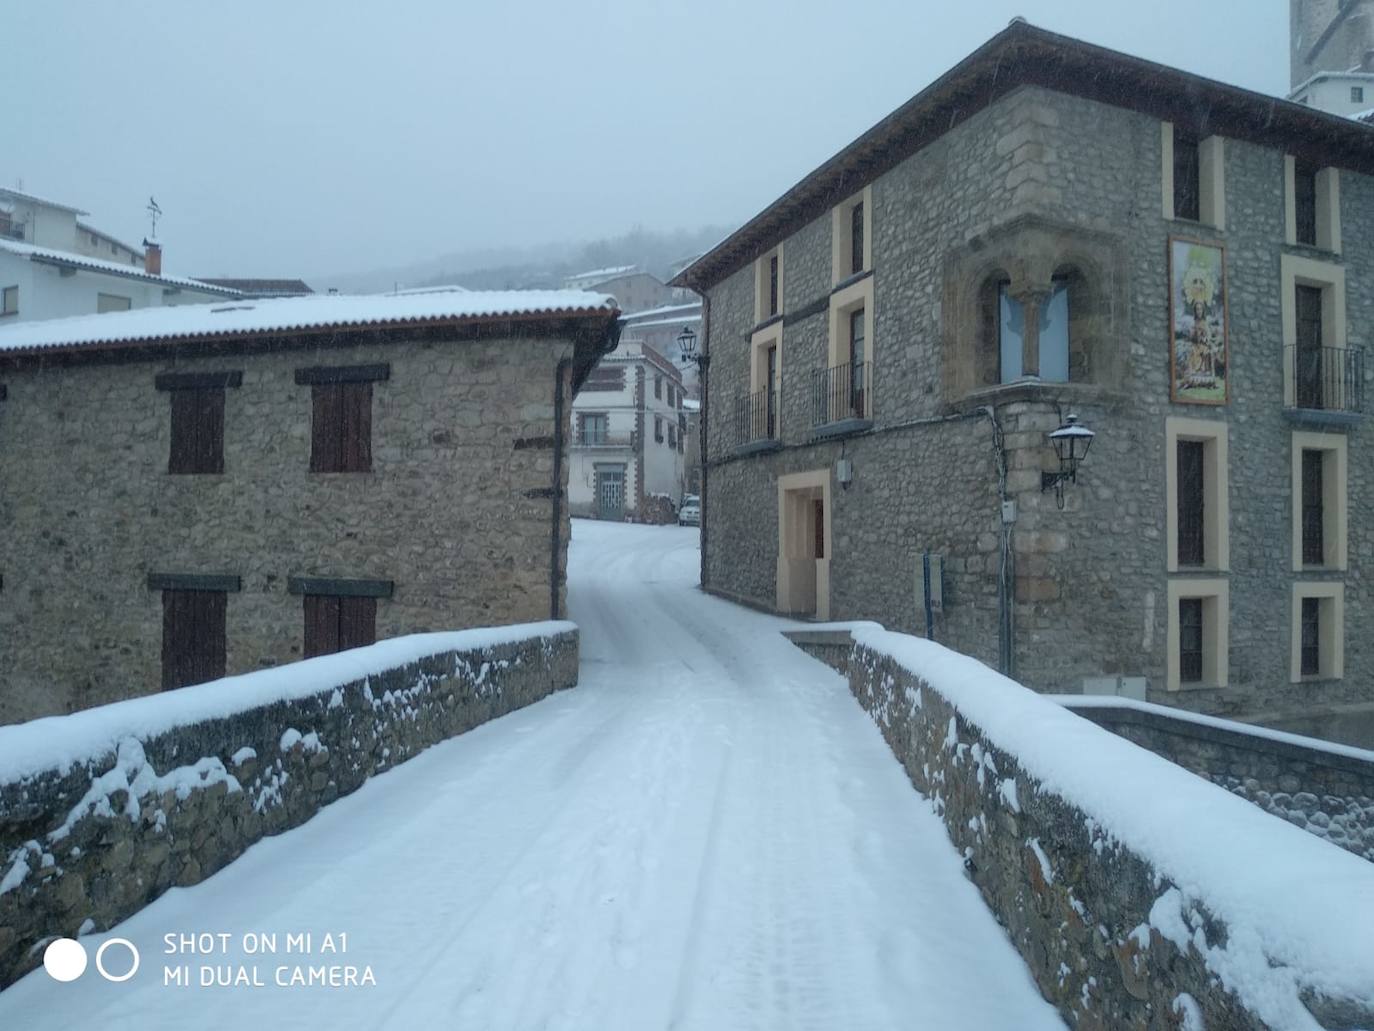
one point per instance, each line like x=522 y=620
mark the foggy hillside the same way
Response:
x=539 y=267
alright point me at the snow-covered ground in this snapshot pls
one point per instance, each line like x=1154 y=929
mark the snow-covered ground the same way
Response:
x=707 y=833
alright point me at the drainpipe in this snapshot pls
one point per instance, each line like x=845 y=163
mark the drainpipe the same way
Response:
x=1006 y=628
x=703 y=366
x=556 y=531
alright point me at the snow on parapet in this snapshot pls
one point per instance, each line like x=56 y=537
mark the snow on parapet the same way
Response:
x=58 y=742
x=1287 y=898
x=239 y=317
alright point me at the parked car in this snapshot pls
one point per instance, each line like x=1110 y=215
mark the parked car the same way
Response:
x=689 y=514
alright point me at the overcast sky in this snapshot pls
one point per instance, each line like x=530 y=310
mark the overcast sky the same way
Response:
x=301 y=138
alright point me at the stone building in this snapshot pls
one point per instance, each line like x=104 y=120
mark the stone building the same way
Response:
x=194 y=491
x=891 y=341
x=629 y=436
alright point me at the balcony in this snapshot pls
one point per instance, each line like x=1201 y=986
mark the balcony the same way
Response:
x=756 y=421
x=606 y=439
x=1328 y=384
x=841 y=399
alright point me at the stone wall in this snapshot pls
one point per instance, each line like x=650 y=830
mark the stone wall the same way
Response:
x=925 y=477
x=1115 y=939
x=1324 y=789
x=87 y=839
x=456 y=512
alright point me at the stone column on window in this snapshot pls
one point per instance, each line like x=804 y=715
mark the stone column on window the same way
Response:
x=1032 y=301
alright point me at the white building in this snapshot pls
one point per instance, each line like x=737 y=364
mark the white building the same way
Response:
x=54 y=265
x=674 y=331
x=626 y=460
x=1331 y=55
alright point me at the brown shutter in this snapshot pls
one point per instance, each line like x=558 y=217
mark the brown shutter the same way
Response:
x=325 y=436
x=209 y=429
x=356 y=418
x=321 y=625
x=357 y=622
x=193 y=637
x=182 y=458
x=210 y=644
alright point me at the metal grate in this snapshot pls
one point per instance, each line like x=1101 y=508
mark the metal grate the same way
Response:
x=1311 y=637
x=1191 y=513
x=1190 y=640
x=1313 y=515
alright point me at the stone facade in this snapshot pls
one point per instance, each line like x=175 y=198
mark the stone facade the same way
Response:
x=86 y=845
x=1088 y=913
x=457 y=513
x=1057 y=597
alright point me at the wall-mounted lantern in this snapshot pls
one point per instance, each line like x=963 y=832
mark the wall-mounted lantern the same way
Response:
x=687 y=345
x=1071 y=443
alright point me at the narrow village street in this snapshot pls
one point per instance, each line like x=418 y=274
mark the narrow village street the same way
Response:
x=707 y=833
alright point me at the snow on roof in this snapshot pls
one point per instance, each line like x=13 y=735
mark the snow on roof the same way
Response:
x=255 y=317
x=21 y=195
x=69 y=259
x=654 y=323
x=602 y=273
x=1299 y=912
x=667 y=309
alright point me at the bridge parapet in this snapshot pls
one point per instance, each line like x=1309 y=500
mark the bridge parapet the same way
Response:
x=103 y=810
x=1140 y=895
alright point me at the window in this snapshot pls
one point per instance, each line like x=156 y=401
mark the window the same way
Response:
x=197 y=437
x=193 y=620
x=341 y=419
x=1198 y=506
x=111 y=302
x=759 y=415
x=1310 y=638
x=1318 y=635
x=335 y=624
x=672 y=437
x=658 y=388
x=1313 y=517
x=1313 y=216
x=1305 y=204
x=1357 y=94
x=1051 y=332
x=594 y=428
x=658 y=429
x=9 y=301
x=1320 y=516
x=856 y=238
x=1187 y=178
x=1199 y=611
x=856 y=407
x=768 y=285
x=1190 y=640
x=1307 y=306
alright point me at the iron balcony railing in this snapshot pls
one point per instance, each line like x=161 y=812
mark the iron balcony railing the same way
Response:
x=619 y=438
x=756 y=416
x=1329 y=379
x=841 y=392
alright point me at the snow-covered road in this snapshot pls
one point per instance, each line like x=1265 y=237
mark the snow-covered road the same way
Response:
x=707 y=833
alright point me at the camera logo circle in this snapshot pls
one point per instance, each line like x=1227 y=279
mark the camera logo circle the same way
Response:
x=64 y=959
x=100 y=959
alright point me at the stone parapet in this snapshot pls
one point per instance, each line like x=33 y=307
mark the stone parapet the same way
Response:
x=103 y=811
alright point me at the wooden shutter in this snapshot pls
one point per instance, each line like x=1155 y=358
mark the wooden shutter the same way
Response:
x=193 y=637
x=356 y=427
x=197 y=431
x=1187 y=180
x=321 y=624
x=856 y=238
x=1305 y=203
x=819 y=508
x=357 y=622
x=325 y=437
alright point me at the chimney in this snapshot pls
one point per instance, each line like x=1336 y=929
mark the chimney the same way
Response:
x=152 y=258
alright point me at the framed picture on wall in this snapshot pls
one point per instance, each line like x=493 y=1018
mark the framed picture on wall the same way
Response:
x=1198 y=344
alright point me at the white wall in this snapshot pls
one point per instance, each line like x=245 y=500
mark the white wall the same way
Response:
x=1332 y=93
x=45 y=293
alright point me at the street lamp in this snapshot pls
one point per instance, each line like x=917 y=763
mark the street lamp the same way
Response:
x=687 y=346
x=1071 y=443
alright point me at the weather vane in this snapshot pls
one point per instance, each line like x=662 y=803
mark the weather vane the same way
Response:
x=154 y=213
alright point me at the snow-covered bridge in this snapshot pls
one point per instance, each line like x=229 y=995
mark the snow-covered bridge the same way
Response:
x=706 y=833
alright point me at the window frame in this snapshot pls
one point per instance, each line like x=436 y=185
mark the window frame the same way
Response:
x=1335 y=499
x=1330 y=596
x=1215 y=595
x=5 y=294
x=198 y=402
x=1326 y=206
x=1214 y=435
x=1294 y=271
x=762 y=285
x=842 y=228
x=341 y=415
x=1211 y=175
x=103 y=306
